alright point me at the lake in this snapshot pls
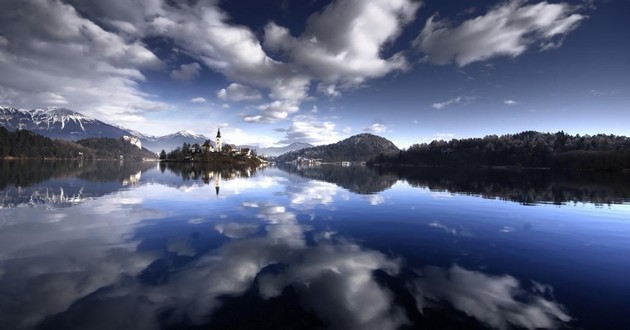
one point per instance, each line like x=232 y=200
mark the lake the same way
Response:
x=110 y=245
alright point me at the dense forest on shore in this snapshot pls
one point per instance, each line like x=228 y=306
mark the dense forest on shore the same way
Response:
x=229 y=155
x=23 y=144
x=525 y=149
x=26 y=144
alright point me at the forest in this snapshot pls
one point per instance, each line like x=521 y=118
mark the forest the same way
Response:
x=528 y=149
x=23 y=144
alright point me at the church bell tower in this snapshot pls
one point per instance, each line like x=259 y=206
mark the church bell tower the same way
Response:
x=218 y=141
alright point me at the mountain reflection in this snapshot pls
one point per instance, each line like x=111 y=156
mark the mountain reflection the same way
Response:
x=357 y=179
x=63 y=183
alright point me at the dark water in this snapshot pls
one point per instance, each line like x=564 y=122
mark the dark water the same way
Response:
x=144 y=246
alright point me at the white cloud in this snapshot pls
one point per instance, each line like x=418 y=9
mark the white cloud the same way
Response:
x=273 y=111
x=308 y=129
x=238 y=92
x=225 y=106
x=245 y=137
x=442 y=105
x=510 y=102
x=52 y=55
x=198 y=100
x=329 y=90
x=55 y=50
x=186 y=72
x=506 y=30
x=376 y=128
x=344 y=41
x=598 y=93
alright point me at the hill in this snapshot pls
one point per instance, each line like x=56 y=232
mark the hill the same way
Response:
x=361 y=147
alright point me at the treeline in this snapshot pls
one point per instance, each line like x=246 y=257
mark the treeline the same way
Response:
x=26 y=144
x=23 y=144
x=194 y=152
x=526 y=149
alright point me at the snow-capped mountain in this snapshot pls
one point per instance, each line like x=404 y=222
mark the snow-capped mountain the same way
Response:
x=61 y=123
x=58 y=123
x=277 y=151
x=172 y=141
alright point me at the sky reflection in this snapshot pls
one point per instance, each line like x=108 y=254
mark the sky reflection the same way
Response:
x=163 y=251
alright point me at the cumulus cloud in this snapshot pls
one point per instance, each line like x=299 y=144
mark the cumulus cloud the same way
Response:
x=198 y=100
x=52 y=55
x=376 y=128
x=510 y=102
x=309 y=129
x=186 y=72
x=62 y=50
x=273 y=111
x=238 y=92
x=344 y=41
x=508 y=29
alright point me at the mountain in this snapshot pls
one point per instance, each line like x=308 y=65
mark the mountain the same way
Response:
x=65 y=124
x=361 y=147
x=28 y=145
x=58 y=123
x=172 y=141
x=277 y=151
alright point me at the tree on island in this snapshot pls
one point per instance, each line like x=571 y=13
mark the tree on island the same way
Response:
x=228 y=155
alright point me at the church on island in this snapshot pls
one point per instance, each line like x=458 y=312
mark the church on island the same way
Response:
x=217 y=144
x=219 y=147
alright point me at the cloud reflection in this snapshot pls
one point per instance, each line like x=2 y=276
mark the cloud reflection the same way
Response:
x=497 y=301
x=334 y=277
x=51 y=260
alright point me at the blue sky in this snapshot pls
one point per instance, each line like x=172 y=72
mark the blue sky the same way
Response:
x=279 y=71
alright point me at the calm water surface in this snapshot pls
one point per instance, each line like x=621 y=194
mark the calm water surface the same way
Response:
x=146 y=246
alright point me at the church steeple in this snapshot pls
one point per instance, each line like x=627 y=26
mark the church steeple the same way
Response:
x=218 y=141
